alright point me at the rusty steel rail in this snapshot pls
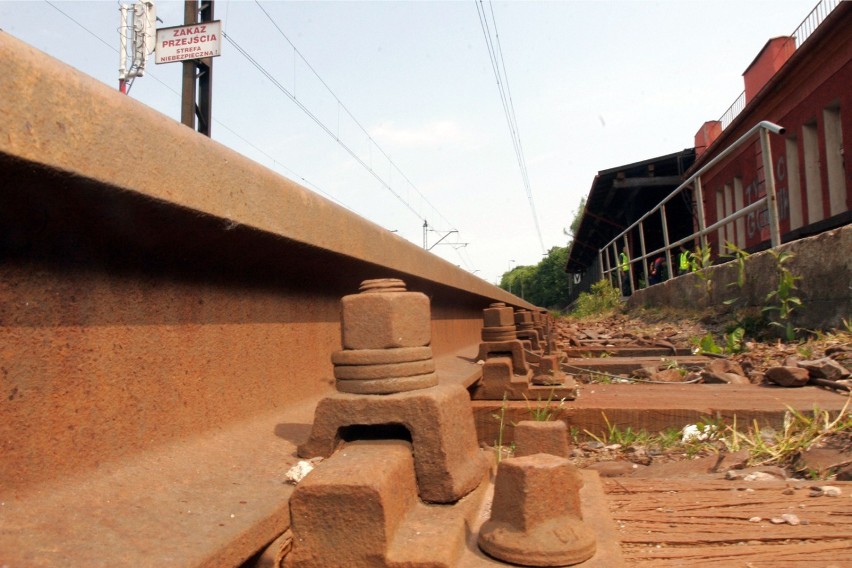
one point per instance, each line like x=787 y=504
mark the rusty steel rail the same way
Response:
x=166 y=330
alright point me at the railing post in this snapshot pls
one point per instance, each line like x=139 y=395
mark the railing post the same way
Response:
x=666 y=241
x=769 y=181
x=642 y=246
x=629 y=264
x=615 y=266
x=699 y=205
x=601 y=264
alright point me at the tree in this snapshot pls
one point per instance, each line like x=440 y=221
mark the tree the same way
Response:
x=545 y=284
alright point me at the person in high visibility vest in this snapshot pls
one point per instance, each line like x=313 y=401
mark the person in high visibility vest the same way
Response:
x=683 y=261
x=624 y=265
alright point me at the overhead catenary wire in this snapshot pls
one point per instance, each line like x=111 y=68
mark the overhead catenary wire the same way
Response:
x=318 y=122
x=341 y=105
x=367 y=164
x=498 y=66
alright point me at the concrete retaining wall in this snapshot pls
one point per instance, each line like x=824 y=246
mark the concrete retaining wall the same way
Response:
x=823 y=261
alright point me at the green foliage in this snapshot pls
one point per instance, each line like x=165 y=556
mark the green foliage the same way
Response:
x=707 y=344
x=734 y=343
x=600 y=378
x=578 y=216
x=544 y=410
x=752 y=323
x=501 y=418
x=602 y=298
x=699 y=261
x=800 y=432
x=785 y=302
x=739 y=256
x=545 y=284
x=622 y=436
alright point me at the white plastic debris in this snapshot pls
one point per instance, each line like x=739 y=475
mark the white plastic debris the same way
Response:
x=298 y=472
x=696 y=433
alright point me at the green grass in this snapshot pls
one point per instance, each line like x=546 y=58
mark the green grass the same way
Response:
x=544 y=410
x=801 y=431
x=603 y=298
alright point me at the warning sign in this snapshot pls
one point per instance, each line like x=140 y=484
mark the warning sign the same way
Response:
x=195 y=41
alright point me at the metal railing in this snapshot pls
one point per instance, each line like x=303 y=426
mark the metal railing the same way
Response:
x=801 y=33
x=813 y=20
x=733 y=110
x=770 y=201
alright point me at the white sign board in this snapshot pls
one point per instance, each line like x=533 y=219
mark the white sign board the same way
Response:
x=194 y=41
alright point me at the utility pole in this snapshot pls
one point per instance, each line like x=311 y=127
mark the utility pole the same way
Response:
x=197 y=97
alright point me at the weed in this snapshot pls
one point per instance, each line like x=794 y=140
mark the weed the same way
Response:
x=707 y=345
x=501 y=417
x=668 y=438
x=786 y=302
x=799 y=433
x=805 y=351
x=602 y=298
x=574 y=435
x=699 y=261
x=734 y=343
x=624 y=437
x=544 y=411
x=751 y=322
x=600 y=378
x=739 y=256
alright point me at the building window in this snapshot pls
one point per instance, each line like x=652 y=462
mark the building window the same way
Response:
x=738 y=205
x=720 y=214
x=813 y=183
x=729 y=208
x=794 y=184
x=834 y=159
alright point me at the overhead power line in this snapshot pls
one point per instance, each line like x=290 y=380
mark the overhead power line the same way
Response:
x=498 y=66
x=372 y=141
x=386 y=183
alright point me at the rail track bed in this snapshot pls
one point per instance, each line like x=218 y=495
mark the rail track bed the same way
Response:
x=670 y=522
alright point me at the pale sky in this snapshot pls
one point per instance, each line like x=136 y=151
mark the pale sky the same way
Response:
x=594 y=85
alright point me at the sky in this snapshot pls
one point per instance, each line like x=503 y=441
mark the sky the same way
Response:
x=409 y=89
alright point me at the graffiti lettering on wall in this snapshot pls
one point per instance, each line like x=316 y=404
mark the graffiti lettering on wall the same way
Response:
x=757 y=222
